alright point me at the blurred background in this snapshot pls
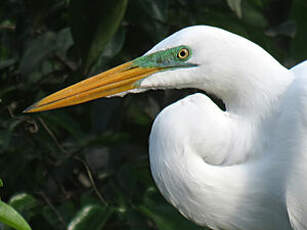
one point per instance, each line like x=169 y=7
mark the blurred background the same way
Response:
x=86 y=167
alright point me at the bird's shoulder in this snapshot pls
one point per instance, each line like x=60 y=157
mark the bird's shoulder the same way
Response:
x=300 y=69
x=184 y=115
x=297 y=94
x=295 y=127
x=197 y=102
x=293 y=106
x=300 y=77
x=194 y=107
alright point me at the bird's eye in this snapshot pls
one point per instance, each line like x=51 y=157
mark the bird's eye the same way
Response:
x=183 y=53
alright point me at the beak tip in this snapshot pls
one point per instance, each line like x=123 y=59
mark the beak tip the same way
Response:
x=30 y=109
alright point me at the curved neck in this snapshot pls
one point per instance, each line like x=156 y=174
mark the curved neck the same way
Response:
x=249 y=80
x=196 y=166
x=196 y=151
x=217 y=195
x=261 y=98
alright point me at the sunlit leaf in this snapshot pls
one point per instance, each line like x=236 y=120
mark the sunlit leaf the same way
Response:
x=25 y=204
x=91 y=217
x=12 y=218
x=23 y=201
x=235 y=5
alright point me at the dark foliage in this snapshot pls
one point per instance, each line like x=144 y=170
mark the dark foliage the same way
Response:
x=86 y=167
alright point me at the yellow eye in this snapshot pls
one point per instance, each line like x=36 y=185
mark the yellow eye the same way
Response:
x=183 y=53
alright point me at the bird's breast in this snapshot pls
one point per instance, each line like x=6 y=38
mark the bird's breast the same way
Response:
x=210 y=194
x=170 y=155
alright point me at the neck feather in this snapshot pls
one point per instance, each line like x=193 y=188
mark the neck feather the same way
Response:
x=261 y=98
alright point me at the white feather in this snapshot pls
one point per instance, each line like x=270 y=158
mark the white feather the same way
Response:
x=243 y=169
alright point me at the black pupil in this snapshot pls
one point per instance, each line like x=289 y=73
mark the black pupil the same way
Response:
x=182 y=53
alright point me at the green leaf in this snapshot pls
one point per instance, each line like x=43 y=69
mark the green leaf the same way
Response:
x=1 y=183
x=253 y=15
x=92 y=217
x=287 y=28
x=93 y=25
x=235 y=5
x=7 y=63
x=12 y=218
x=113 y=47
x=64 y=41
x=23 y=202
x=37 y=51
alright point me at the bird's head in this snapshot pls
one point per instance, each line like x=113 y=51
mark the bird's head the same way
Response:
x=201 y=57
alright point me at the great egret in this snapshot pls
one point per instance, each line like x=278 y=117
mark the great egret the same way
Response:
x=242 y=169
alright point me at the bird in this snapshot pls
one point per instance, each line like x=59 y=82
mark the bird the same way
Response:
x=244 y=168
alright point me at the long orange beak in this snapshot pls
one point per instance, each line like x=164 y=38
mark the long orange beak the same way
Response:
x=119 y=79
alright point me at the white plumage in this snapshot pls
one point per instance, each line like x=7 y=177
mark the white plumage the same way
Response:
x=240 y=169
x=243 y=169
